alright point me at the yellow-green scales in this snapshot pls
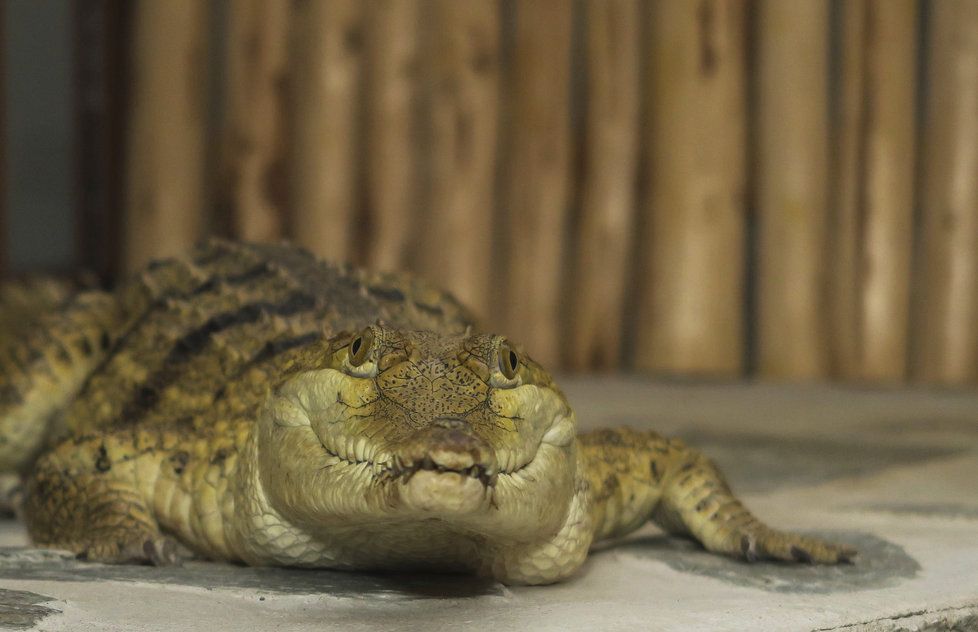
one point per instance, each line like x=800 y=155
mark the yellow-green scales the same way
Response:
x=253 y=403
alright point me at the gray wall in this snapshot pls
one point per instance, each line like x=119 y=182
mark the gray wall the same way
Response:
x=37 y=44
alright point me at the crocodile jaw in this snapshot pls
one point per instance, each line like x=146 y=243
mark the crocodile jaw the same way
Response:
x=443 y=493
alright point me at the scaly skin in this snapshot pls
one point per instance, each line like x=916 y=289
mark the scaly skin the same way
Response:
x=241 y=419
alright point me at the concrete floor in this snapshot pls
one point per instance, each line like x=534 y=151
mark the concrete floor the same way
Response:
x=895 y=473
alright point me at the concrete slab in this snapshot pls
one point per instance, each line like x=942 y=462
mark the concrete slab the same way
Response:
x=895 y=473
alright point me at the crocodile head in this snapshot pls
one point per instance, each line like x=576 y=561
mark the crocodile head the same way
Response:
x=389 y=425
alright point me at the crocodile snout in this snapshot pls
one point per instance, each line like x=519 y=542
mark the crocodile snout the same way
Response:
x=448 y=445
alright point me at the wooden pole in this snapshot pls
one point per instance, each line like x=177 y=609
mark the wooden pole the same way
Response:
x=947 y=288
x=3 y=143
x=537 y=176
x=847 y=194
x=792 y=153
x=165 y=192
x=253 y=139
x=100 y=76
x=392 y=60
x=326 y=65
x=874 y=190
x=692 y=298
x=607 y=216
x=456 y=241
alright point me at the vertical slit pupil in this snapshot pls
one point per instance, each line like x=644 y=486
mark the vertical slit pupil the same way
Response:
x=513 y=360
x=355 y=346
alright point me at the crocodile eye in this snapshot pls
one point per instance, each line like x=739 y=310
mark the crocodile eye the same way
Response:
x=360 y=347
x=509 y=361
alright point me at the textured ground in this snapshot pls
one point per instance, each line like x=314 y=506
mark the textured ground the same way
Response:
x=892 y=472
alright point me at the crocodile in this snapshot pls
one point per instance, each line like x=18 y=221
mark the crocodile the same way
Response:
x=252 y=403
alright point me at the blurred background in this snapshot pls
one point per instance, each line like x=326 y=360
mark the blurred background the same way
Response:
x=779 y=189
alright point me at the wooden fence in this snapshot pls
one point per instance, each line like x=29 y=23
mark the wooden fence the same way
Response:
x=704 y=188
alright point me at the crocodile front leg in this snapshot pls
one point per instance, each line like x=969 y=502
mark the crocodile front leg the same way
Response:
x=133 y=494
x=636 y=476
x=86 y=496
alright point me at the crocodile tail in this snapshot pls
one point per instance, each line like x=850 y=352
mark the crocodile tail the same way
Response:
x=44 y=363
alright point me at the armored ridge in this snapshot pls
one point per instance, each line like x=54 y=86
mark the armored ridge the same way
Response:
x=164 y=345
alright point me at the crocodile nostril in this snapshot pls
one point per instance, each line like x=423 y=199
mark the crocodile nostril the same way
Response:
x=449 y=422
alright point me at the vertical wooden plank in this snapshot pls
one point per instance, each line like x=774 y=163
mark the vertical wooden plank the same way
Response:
x=101 y=50
x=463 y=58
x=847 y=193
x=792 y=154
x=874 y=194
x=537 y=176
x=607 y=214
x=947 y=291
x=3 y=141
x=392 y=63
x=326 y=64
x=165 y=193
x=692 y=299
x=252 y=184
x=889 y=197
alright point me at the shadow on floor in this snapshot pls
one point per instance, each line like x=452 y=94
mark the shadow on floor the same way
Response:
x=22 y=610
x=39 y=564
x=879 y=564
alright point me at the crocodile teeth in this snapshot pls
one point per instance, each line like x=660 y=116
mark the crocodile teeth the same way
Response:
x=405 y=471
x=361 y=450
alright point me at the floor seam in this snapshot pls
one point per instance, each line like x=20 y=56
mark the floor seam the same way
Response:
x=967 y=609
